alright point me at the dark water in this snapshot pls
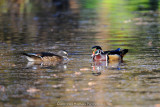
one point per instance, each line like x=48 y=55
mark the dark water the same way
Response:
x=76 y=26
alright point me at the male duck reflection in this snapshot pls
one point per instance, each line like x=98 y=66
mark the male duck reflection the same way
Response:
x=47 y=57
x=113 y=55
x=101 y=66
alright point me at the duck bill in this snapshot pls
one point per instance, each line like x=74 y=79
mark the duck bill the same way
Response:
x=93 y=55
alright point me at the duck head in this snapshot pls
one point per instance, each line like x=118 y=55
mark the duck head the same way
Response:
x=96 y=50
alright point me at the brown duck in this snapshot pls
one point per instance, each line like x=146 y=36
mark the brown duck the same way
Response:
x=45 y=56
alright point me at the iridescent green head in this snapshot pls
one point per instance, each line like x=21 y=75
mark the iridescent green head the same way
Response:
x=96 y=50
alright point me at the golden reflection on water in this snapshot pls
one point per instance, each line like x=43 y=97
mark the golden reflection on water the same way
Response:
x=34 y=26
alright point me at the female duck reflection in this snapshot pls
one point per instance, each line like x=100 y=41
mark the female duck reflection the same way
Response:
x=45 y=59
x=110 y=59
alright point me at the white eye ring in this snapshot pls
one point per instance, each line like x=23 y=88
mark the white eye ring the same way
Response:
x=97 y=52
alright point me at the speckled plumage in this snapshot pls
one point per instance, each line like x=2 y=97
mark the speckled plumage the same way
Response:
x=43 y=56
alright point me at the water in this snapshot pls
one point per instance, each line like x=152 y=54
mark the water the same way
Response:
x=76 y=26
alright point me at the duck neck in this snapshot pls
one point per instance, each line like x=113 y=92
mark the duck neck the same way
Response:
x=100 y=57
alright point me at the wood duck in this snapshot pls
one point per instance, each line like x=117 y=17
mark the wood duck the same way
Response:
x=44 y=56
x=113 y=55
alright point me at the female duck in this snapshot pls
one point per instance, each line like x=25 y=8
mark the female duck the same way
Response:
x=44 y=56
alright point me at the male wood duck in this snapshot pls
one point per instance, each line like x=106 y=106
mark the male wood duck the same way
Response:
x=113 y=55
x=44 y=56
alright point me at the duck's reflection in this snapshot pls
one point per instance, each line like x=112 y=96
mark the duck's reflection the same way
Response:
x=101 y=66
x=46 y=65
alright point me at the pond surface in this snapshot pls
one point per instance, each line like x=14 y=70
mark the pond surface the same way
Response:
x=76 y=26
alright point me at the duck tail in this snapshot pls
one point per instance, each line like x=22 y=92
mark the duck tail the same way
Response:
x=124 y=51
x=31 y=54
x=27 y=54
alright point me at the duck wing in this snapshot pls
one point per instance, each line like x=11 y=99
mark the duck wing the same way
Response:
x=117 y=51
x=39 y=55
